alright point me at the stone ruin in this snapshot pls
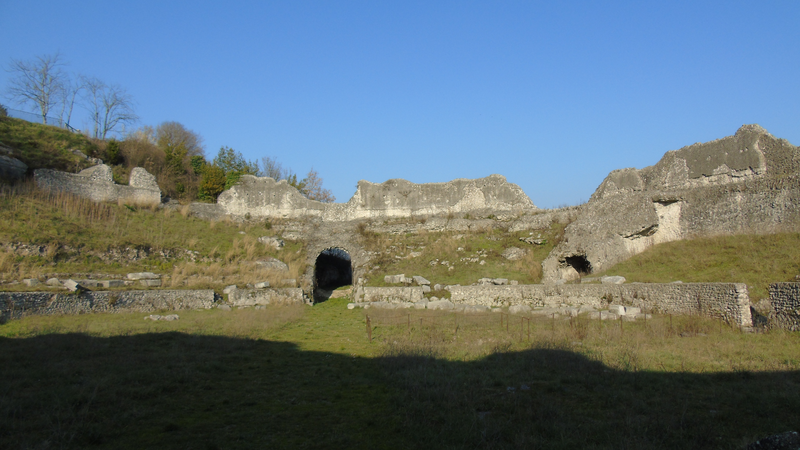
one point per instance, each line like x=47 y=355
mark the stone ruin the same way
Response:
x=745 y=183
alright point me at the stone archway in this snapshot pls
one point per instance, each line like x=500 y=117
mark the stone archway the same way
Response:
x=333 y=269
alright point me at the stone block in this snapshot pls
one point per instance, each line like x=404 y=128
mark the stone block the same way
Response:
x=441 y=304
x=425 y=288
x=229 y=289
x=395 y=279
x=261 y=285
x=273 y=242
x=73 y=286
x=612 y=280
x=632 y=310
x=519 y=309
x=617 y=309
x=30 y=282
x=421 y=281
x=150 y=283
x=143 y=276
x=112 y=283
x=273 y=264
x=53 y=282
x=500 y=281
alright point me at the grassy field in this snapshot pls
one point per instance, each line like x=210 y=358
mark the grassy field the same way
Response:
x=46 y=146
x=756 y=260
x=307 y=377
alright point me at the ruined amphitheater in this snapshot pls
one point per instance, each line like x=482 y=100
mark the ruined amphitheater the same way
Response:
x=745 y=183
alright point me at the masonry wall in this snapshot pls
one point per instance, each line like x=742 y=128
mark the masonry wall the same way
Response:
x=785 y=300
x=389 y=294
x=253 y=297
x=96 y=183
x=727 y=301
x=14 y=305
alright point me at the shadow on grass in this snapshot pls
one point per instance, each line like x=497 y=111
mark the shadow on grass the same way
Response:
x=174 y=390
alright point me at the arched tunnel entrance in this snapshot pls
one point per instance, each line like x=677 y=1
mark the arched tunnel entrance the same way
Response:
x=580 y=264
x=333 y=269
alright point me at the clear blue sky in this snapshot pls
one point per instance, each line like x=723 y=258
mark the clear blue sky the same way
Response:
x=553 y=95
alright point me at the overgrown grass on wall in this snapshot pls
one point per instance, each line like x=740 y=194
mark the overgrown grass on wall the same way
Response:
x=432 y=254
x=46 y=146
x=756 y=260
x=80 y=236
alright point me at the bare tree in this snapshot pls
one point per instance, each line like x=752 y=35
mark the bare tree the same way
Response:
x=69 y=94
x=117 y=109
x=270 y=167
x=108 y=106
x=40 y=82
x=313 y=188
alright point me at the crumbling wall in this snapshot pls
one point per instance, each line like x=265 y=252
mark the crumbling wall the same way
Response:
x=253 y=297
x=726 y=301
x=785 y=301
x=394 y=294
x=744 y=183
x=264 y=197
x=96 y=183
x=14 y=305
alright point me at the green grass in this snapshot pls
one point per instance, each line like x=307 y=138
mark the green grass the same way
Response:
x=756 y=260
x=463 y=252
x=45 y=146
x=307 y=377
x=77 y=233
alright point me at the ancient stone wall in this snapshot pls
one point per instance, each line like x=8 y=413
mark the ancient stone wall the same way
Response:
x=394 y=294
x=746 y=183
x=253 y=297
x=14 y=305
x=264 y=197
x=785 y=301
x=727 y=301
x=96 y=183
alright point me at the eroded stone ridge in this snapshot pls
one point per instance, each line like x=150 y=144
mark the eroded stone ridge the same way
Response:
x=264 y=197
x=97 y=183
x=746 y=183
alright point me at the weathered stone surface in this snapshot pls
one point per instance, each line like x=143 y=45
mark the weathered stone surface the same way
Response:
x=513 y=253
x=168 y=317
x=270 y=263
x=96 y=183
x=784 y=300
x=266 y=296
x=143 y=276
x=441 y=304
x=726 y=301
x=112 y=283
x=73 y=286
x=150 y=283
x=749 y=182
x=420 y=281
x=54 y=282
x=264 y=197
x=30 y=282
x=612 y=279
x=394 y=279
x=789 y=440
x=261 y=285
x=229 y=289
x=14 y=305
x=398 y=294
x=12 y=168
x=519 y=309
x=533 y=241
x=273 y=242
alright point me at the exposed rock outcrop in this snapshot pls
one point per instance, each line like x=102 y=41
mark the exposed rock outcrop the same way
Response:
x=742 y=183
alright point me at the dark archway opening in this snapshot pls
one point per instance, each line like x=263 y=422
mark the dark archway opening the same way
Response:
x=580 y=264
x=333 y=269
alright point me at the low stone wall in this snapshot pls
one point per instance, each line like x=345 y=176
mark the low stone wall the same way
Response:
x=398 y=294
x=253 y=297
x=727 y=301
x=14 y=305
x=96 y=183
x=785 y=300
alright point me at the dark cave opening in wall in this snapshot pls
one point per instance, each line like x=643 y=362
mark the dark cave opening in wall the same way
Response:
x=333 y=269
x=580 y=264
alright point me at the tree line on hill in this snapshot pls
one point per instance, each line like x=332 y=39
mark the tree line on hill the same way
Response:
x=170 y=151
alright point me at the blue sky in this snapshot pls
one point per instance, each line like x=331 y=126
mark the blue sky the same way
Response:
x=553 y=95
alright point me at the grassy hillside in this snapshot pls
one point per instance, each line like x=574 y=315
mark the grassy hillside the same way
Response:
x=756 y=260
x=75 y=235
x=45 y=146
